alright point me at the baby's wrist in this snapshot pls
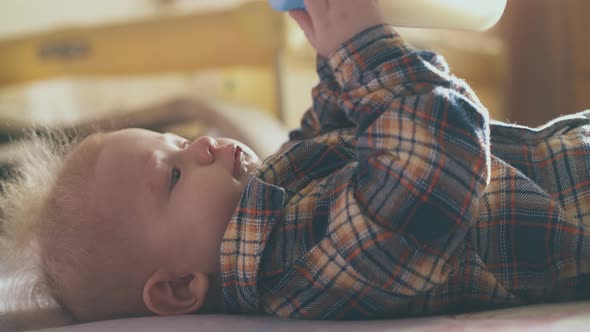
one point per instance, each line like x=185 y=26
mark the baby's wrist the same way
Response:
x=343 y=37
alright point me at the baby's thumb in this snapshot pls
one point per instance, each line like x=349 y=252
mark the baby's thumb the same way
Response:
x=305 y=23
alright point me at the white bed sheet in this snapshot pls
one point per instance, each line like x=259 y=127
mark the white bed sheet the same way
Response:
x=557 y=317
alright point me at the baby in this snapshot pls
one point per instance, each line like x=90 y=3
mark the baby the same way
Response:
x=396 y=197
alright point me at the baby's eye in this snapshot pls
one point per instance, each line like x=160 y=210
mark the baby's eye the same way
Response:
x=175 y=176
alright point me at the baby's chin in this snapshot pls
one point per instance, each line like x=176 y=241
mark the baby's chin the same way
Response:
x=247 y=173
x=251 y=156
x=251 y=160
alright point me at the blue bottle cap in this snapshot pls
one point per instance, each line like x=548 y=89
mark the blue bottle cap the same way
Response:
x=286 y=5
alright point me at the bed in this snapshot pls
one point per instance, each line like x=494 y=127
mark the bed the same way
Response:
x=569 y=317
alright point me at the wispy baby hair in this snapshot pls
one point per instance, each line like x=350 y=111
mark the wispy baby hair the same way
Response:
x=26 y=300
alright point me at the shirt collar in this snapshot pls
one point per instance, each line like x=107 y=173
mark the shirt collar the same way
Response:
x=243 y=244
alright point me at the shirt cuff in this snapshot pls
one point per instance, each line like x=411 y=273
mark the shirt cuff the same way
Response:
x=366 y=51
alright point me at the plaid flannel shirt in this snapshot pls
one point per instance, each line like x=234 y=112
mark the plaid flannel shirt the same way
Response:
x=398 y=197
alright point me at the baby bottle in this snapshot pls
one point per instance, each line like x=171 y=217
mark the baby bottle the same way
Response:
x=442 y=14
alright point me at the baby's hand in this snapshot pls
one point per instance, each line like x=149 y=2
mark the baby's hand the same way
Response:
x=330 y=23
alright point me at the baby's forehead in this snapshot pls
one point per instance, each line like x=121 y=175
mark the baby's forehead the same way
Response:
x=90 y=148
x=83 y=158
x=121 y=170
x=131 y=135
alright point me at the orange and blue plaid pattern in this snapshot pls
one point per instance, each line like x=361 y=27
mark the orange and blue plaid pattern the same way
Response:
x=398 y=197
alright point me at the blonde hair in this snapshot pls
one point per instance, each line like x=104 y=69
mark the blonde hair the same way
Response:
x=85 y=256
x=52 y=237
x=24 y=290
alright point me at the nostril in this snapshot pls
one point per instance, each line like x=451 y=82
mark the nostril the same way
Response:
x=212 y=145
x=205 y=148
x=210 y=151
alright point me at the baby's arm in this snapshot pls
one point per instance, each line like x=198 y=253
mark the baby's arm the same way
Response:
x=325 y=113
x=422 y=148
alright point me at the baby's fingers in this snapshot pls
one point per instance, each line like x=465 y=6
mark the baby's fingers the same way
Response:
x=317 y=8
x=303 y=20
x=305 y=23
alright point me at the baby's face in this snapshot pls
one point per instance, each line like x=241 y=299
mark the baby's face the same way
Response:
x=173 y=197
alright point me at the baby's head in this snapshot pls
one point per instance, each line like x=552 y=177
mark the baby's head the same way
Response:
x=134 y=221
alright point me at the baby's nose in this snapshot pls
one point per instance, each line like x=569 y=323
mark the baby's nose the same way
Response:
x=203 y=148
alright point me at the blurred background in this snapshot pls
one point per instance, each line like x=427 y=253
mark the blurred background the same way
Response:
x=236 y=68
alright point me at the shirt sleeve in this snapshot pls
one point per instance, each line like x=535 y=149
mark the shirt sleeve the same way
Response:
x=423 y=163
x=325 y=113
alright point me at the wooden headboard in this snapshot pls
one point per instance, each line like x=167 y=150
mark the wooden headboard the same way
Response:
x=249 y=35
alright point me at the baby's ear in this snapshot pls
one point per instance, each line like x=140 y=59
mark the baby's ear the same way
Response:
x=166 y=294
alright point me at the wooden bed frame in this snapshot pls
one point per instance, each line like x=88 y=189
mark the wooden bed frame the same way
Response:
x=249 y=35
